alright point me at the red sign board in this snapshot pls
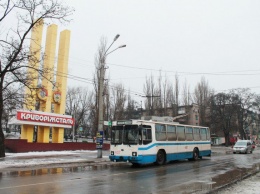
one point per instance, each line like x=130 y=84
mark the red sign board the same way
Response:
x=44 y=118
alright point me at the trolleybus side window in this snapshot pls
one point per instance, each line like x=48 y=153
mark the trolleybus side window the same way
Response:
x=160 y=132
x=147 y=134
x=196 y=133
x=203 y=134
x=171 y=133
x=189 y=135
x=208 y=133
x=181 y=133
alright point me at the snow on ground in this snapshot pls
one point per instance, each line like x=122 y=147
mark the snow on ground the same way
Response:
x=44 y=158
x=12 y=135
x=250 y=185
x=48 y=153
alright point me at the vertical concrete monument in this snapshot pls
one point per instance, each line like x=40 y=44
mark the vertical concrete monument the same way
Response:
x=27 y=131
x=50 y=97
x=47 y=80
x=61 y=83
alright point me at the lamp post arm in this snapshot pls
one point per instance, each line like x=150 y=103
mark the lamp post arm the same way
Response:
x=105 y=54
x=116 y=49
x=116 y=37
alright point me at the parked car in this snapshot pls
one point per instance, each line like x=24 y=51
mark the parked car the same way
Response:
x=243 y=146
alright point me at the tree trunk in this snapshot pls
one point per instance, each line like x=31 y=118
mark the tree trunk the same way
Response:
x=2 y=137
x=226 y=139
x=2 y=143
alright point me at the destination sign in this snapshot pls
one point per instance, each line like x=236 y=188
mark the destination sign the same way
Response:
x=124 y=122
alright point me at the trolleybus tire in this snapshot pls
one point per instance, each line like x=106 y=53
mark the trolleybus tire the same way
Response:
x=136 y=165
x=160 y=158
x=195 y=154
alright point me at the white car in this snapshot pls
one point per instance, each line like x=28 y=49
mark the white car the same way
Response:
x=243 y=146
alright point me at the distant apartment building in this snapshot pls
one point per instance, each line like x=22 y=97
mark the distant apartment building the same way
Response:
x=189 y=115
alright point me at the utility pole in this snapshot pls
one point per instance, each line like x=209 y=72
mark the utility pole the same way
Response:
x=141 y=111
x=73 y=129
x=100 y=104
x=99 y=137
x=107 y=96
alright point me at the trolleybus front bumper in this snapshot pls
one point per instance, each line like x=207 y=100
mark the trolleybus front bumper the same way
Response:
x=132 y=159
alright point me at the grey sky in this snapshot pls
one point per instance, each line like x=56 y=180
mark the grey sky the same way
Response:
x=217 y=39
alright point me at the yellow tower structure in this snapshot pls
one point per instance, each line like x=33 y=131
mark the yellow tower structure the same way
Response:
x=27 y=131
x=48 y=78
x=61 y=83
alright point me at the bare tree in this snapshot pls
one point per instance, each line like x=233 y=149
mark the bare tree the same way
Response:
x=176 y=93
x=157 y=102
x=201 y=97
x=246 y=107
x=118 y=103
x=164 y=95
x=223 y=110
x=13 y=100
x=15 y=55
x=78 y=104
x=186 y=94
x=170 y=99
x=131 y=108
x=150 y=93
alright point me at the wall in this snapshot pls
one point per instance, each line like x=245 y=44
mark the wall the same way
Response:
x=21 y=145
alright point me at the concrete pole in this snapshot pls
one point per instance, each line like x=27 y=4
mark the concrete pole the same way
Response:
x=101 y=92
x=73 y=129
x=100 y=104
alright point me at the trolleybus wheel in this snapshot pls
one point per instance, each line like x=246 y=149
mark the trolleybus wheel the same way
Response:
x=136 y=165
x=160 y=159
x=195 y=154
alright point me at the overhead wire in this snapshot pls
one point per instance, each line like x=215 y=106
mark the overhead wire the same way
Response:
x=90 y=81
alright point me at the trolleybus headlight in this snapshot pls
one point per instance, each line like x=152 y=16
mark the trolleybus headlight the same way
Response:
x=112 y=152
x=134 y=154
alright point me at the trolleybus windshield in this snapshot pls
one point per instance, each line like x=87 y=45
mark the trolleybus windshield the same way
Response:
x=125 y=134
x=131 y=134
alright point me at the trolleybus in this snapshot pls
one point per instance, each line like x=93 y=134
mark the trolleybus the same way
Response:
x=150 y=141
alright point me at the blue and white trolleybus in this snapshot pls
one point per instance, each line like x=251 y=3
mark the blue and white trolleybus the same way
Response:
x=149 y=141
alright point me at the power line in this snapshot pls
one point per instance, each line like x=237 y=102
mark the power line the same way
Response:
x=179 y=72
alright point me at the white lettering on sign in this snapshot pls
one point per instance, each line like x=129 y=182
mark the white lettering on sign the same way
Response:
x=44 y=118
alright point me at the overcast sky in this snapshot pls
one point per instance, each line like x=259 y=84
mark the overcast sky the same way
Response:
x=217 y=39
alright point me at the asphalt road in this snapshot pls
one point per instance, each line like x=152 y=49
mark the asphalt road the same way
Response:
x=184 y=176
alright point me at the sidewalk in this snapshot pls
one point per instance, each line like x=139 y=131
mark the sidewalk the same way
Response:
x=53 y=158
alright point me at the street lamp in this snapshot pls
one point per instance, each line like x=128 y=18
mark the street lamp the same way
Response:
x=101 y=96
